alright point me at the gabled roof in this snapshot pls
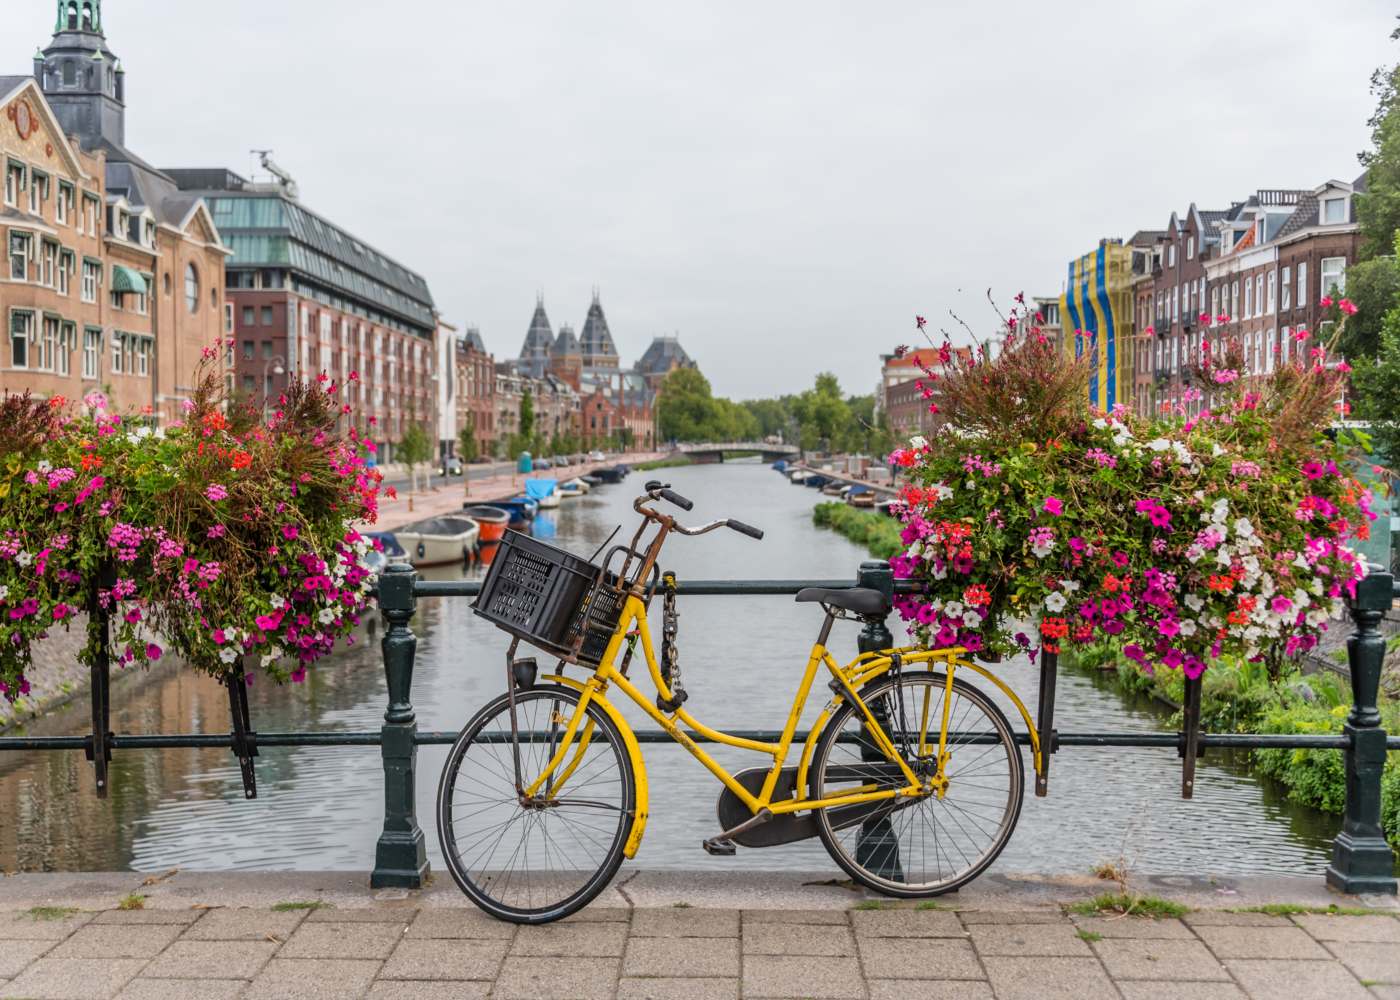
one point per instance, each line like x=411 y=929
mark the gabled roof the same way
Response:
x=596 y=339
x=472 y=340
x=663 y=354
x=566 y=343
x=1303 y=216
x=539 y=338
x=10 y=88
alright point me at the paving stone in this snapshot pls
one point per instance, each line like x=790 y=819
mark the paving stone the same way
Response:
x=678 y=989
x=1386 y=992
x=890 y=958
x=444 y=959
x=1225 y=918
x=929 y=989
x=1145 y=990
x=556 y=979
x=1050 y=978
x=367 y=940
x=182 y=989
x=23 y=927
x=1132 y=927
x=907 y=923
x=798 y=939
x=795 y=917
x=215 y=959
x=1370 y=960
x=312 y=979
x=185 y=917
x=593 y=939
x=1300 y=980
x=1350 y=928
x=458 y=924
x=717 y=957
x=599 y=914
x=971 y=917
x=1260 y=942
x=1137 y=958
x=1028 y=939
x=74 y=978
x=406 y=989
x=685 y=922
x=245 y=924
x=15 y=955
x=118 y=941
x=363 y=915
x=811 y=978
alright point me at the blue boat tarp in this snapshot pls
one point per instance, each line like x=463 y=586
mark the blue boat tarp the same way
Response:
x=537 y=489
x=858 y=490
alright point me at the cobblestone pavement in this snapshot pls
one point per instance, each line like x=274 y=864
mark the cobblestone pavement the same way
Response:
x=397 y=949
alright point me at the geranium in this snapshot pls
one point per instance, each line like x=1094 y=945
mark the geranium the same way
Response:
x=1184 y=539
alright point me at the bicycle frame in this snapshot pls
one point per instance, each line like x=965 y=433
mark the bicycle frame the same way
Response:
x=847 y=679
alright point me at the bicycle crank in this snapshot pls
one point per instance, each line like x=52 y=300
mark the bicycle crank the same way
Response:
x=782 y=829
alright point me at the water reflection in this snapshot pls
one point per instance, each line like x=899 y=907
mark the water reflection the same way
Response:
x=742 y=656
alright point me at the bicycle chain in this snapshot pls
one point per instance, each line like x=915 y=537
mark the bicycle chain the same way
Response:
x=670 y=655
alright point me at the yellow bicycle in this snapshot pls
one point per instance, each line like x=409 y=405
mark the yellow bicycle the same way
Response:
x=911 y=776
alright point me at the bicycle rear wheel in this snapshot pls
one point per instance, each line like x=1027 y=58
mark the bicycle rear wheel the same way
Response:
x=914 y=847
x=526 y=863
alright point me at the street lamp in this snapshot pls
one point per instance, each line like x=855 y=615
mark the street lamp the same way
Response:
x=274 y=366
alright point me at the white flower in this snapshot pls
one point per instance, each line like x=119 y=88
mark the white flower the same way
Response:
x=917 y=441
x=1069 y=586
x=1100 y=423
x=916 y=550
x=971 y=619
x=1222 y=556
x=1159 y=444
x=1194 y=553
x=44 y=465
x=1187 y=627
x=1301 y=598
x=1243 y=528
x=1194 y=602
x=953 y=609
x=1316 y=587
x=277 y=602
x=943 y=490
x=940 y=574
x=24 y=558
x=268 y=659
x=1301 y=561
x=326 y=615
x=1055 y=602
x=4 y=592
x=1220 y=510
x=1183 y=454
x=1216 y=451
x=228 y=654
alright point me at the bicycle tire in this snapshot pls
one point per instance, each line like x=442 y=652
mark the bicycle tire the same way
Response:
x=846 y=853
x=487 y=889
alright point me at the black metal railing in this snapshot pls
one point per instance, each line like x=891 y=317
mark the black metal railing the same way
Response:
x=1362 y=860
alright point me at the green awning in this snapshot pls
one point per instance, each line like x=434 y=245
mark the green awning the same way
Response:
x=124 y=279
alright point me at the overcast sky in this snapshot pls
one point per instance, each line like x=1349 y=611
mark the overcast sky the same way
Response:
x=784 y=184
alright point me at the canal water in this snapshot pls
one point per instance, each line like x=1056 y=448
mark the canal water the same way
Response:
x=741 y=659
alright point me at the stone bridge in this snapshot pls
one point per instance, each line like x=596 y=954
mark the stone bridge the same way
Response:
x=714 y=452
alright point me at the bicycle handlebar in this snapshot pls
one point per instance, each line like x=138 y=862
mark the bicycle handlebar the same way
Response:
x=657 y=490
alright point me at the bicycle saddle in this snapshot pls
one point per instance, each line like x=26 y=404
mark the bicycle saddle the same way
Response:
x=859 y=600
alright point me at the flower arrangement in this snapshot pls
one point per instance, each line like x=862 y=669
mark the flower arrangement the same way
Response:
x=225 y=536
x=1218 y=528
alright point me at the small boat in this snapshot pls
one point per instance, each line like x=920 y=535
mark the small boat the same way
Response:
x=389 y=551
x=439 y=541
x=861 y=496
x=573 y=488
x=522 y=511
x=614 y=474
x=835 y=488
x=542 y=491
x=797 y=477
x=780 y=465
x=492 y=521
x=590 y=480
x=816 y=481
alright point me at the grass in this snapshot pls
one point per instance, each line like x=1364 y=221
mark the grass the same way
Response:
x=1126 y=905
x=680 y=906
x=1089 y=935
x=928 y=904
x=870 y=904
x=132 y=901
x=50 y=912
x=1293 y=909
x=300 y=904
x=1110 y=871
x=663 y=463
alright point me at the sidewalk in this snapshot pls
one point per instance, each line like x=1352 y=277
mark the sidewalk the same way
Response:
x=447 y=497
x=682 y=936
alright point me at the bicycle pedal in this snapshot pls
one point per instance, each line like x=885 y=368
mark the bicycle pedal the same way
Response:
x=720 y=848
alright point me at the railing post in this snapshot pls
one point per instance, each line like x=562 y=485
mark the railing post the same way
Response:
x=877 y=847
x=400 y=859
x=1361 y=859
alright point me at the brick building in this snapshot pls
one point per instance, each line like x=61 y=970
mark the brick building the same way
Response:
x=476 y=390
x=113 y=277
x=308 y=297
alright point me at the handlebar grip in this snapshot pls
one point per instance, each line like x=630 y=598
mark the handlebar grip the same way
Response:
x=745 y=529
x=676 y=499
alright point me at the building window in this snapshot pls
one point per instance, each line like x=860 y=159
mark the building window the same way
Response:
x=1234 y=300
x=143 y=356
x=1302 y=283
x=90 y=214
x=92 y=351
x=46 y=347
x=117 y=345
x=1334 y=211
x=249 y=316
x=267 y=350
x=91 y=276
x=191 y=288
x=247 y=350
x=1333 y=272
x=21 y=249
x=1171 y=255
x=63 y=208
x=1286 y=289
x=66 y=339
x=1214 y=304
x=38 y=192
x=48 y=264
x=249 y=383
x=14 y=183
x=21 y=332
x=267 y=315
x=1190 y=247
x=1259 y=295
x=65 y=270
x=1248 y=297
x=1285 y=345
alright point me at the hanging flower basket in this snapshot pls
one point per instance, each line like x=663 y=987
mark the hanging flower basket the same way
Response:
x=1216 y=529
x=226 y=539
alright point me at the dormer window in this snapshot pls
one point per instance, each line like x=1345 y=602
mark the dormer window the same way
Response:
x=1334 y=211
x=148 y=232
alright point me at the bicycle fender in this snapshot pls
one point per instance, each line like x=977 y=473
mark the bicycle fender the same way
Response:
x=634 y=753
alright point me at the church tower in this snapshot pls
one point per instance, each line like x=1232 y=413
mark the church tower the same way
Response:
x=81 y=78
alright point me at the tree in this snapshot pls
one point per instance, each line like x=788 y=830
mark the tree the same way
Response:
x=466 y=445
x=1378 y=208
x=415 y=448
x=527 y=419
x=686 y=410
x=772 y=415
x=823 y=415
x=1376 y=386
x=1374 y=286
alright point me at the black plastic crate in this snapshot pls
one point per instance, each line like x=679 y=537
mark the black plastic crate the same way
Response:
x=540 y=593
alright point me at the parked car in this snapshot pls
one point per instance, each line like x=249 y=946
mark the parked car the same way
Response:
x=543 y=463
x=596 y=456
x=452 y=467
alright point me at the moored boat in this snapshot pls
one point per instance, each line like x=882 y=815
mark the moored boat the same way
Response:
x=861 y=496
x=591 y=480
x=389 y=551
x=797 y=477
x=492 y=521
x=816 y=480
x=780 y=465
x=834 y=488
x=612 y=474
x=438 y=541
x=575 y=487
x=543 y=492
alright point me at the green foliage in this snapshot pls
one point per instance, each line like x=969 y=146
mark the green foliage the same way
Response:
x=670 y=462
x=49 y=913
x=467 y=449
x=297 y=904
x=1374 y=288
x=1378 y=209
x=878 y=532
x=823 y=415
x=1130 y=905
x=1376 y=384
x=415 y=446
x=1297 y=909
x=772 y=415
x=527 y=415
x=132 y=901
x=688 y=411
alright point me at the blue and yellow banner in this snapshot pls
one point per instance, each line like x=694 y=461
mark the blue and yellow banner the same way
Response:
x=1097 y=311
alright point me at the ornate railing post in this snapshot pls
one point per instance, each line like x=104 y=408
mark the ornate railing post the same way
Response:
x=877 y=847
x=400 y=859
x=1361 y=859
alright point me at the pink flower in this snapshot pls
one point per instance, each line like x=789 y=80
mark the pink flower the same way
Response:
x=153 y=652
x=1313 y=470
x=217 y=531
x=289 y=531
x=1347 y=306
x=215 y=492
x=1052 y=506
x=1326 y=302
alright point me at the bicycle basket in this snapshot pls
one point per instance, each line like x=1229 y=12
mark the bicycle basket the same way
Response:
x=544 y=595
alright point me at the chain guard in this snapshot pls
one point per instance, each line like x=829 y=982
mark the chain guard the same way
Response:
x=790 y=827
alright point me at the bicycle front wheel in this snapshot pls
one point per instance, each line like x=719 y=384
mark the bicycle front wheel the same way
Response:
x=915 y=847
x=536 y=861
